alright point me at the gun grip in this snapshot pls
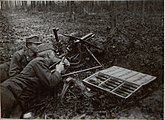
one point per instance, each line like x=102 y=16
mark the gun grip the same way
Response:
x=55 y=34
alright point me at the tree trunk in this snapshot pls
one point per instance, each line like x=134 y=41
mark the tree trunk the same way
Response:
x=113 y=15
x=127 y=4
x=24 y=5
x=143 y=11
x=1 y=5
x=72 y=10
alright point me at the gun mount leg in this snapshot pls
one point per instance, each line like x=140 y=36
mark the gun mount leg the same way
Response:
x=65 y=88
x=77 y=83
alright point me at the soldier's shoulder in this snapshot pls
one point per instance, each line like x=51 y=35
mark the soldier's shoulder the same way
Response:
x=18 y=55
x=19 y=52
x=37 y=59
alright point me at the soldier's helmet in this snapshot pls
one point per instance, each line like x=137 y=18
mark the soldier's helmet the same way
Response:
x=33 y=39
x=45 y=46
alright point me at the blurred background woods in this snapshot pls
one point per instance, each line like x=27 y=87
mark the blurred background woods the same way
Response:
x=113 y=8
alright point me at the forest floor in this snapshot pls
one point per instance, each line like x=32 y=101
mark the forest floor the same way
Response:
x=139 y=47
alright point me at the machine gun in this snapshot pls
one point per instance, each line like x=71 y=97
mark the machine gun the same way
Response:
x=76 y=51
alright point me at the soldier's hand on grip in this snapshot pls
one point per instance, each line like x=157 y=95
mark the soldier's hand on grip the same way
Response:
x=60 y=67
x=66 y=62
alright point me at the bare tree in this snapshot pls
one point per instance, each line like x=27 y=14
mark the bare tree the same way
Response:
x=143 y=11
x=71 y=5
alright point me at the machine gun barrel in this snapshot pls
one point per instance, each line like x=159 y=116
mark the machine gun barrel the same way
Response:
x=84 y=39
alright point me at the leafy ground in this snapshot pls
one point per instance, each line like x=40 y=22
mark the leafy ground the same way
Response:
x=131 y=44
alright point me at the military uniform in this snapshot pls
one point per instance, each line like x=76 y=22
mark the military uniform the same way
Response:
x=4 y=71
x=17 y=91
x=19 y=60
x=24 y=86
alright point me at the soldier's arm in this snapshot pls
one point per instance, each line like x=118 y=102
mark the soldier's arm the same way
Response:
x=15 y=66
x=44 y=74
